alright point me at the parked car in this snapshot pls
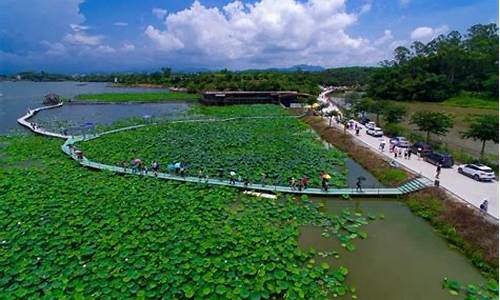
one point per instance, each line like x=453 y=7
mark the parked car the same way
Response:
x=421 y=147
x=443 y=159
x=370 y=125
x=376 y=132
x=400 y=142
x=477 y=171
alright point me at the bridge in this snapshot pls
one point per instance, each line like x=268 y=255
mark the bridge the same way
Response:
x=413 y=185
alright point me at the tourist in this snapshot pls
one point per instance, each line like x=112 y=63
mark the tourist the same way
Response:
x=232 y=177
x=324 y=183
x=419 y=154
x=245 y=182
x=438 y=170
x=358 y=185
x=382 y=146
x=484 y=206
x=357 y=129
x=221 y=172
x=406 y=154
x=395 y=150
x=409 y=154
x=200 y=174
x=79 y=154
x=155 y=166
x=400 y=152
x=304 y=182
x=293 y=183
x=263 y=179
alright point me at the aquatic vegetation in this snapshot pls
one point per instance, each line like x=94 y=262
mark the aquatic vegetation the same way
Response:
x=65 y=230
x=472 y=291
x=138 y=97
x=280 y=148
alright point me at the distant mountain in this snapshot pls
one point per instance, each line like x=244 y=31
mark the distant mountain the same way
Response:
x=304 y=67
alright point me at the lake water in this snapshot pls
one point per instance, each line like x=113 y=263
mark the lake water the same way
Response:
x=18 y=96
x=402 y=258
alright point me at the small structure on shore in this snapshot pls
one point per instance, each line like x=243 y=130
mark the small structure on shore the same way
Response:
x=52 y=99
x=250 y=97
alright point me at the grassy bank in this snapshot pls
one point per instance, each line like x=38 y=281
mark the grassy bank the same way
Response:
x=138 y=97
x=461 y=226
x=372 y=162
x=469 y=100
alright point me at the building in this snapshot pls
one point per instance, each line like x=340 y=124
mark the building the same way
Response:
x=249 y=97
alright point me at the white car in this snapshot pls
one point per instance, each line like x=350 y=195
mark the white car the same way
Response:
x=376 y=132
x=370 y=125
x=477 y=171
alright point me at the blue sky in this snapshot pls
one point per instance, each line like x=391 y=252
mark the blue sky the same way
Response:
x=78 y=36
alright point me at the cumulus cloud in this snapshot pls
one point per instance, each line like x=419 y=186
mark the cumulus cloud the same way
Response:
x=425 y=34
x=387 y=37
x=160 y=13
x=365 y=8
x=82 y=38
x=267 y=30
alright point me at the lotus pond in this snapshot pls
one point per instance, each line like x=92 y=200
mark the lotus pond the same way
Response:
x=66 y=230
x=279 y=146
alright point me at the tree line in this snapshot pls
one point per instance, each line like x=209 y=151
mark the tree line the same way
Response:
x=441 y=68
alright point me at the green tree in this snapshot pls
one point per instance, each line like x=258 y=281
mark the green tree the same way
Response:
x=432 y=122
x=394 y=113
x=483 y=128
x=331 y=114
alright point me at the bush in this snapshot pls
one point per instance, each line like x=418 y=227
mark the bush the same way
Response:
x=392 y=130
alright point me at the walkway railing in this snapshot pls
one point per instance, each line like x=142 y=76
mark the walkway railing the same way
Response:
x=68 y=148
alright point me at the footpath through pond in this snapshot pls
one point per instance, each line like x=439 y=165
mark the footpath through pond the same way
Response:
x=460 y=186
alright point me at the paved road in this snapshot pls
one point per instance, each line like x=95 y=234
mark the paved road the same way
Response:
x=463 y=187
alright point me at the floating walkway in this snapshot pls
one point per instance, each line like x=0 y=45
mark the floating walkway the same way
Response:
x=413 y=185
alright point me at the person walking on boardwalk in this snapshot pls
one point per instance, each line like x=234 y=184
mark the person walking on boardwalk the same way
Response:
x=304 y=182
x=293 y=183
x=400 y=152
x=200 y=174
x=382 y=145
x=358 y=183
x=409 y=154
x=438 y=170
x=395 y=150
x=406 y=154
x=220 y=172
x=155 y=166
x=357 y=129
x=484 y=206
x=232 y=177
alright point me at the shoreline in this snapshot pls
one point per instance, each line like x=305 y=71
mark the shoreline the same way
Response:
x=90 y=102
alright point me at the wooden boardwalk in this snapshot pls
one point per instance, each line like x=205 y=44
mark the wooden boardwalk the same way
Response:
x=409 y=187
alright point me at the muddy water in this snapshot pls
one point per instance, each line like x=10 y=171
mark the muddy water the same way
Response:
x=402 y=258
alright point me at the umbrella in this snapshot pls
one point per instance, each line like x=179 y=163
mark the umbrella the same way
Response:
x=361 y=178
x=137 y=161
x=315 y=105
x=177 y=165
x=327 y=176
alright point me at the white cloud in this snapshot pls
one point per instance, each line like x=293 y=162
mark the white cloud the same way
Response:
x=387 y=37
x=127 y=46
x=425 y=34
x=54 y=48
x=285 y=31
x=81 y=38
x=160 y=13
x=105 y=49
x=78 y=28
x=365 y=8
x=120 y=24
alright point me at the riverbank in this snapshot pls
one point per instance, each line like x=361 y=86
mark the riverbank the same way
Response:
x=464 y=228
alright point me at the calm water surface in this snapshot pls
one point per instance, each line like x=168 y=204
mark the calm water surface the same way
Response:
x=402 y=258
x=17 y=97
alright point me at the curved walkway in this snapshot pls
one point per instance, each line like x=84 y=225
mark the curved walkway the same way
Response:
x=67 y=147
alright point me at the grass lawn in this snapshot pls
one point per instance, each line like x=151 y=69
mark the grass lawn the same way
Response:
x=138 y=97
x=471 y=101
x=461 y=115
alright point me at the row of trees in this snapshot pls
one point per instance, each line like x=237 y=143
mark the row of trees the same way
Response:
x=441 y=68
x=482 y=127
